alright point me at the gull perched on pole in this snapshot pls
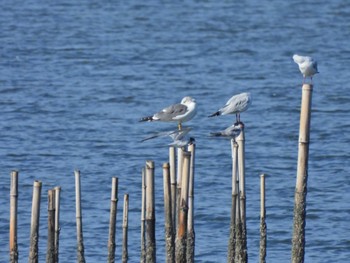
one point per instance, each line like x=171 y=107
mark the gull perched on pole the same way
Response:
x=230 y=132
x=235 y=105
x=307 y=66
x=179 y=113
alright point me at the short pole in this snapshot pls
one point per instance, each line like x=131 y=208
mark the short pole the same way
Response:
x=13 y=217
x=50 y=253
x=263 y=233
x=298 y=240
x=150 y=214
x=143 y=210
x=79 y=223
x=57 y=221
x=169 y=235
x=112 y=220
x=125 y=228
x=181 y=238
x=34 y=228
x=190 y=220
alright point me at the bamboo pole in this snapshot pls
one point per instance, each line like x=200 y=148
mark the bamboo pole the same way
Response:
x=34 y=229
x=57 y=221
x=298 y=241
x=169 y=234
x=262 y=220
x=50 y=253
x=181 y=239
x=232 y=240
x=179 y=171
x=79 y=223
x=241 y=168
x=150 y=214
x=112 y=220
x=125 y=228
x=190 y=220
x=172 y=162
x=13 y=217
x=143 y=208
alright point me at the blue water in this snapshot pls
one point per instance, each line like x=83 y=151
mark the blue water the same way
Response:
x=75 y=77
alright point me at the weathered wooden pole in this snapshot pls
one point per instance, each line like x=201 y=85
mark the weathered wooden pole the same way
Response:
x=13 y=217
x=168 y=224
x=181 y=238
x=34 y=226
x=125 y=228
x=79 y=223
x=298 y=241
x=150 y=214
x=57 y=221
x=112 y=220
x=143 y=211
x=172 y=163
x=50 y=252
x=241 y=168
x=232 y=240
x=190 y=220
x=263 y=233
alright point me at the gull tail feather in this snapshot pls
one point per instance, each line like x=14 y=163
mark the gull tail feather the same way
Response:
x=148 y=118
x=215 y=114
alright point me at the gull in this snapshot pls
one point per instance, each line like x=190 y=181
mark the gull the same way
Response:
x=235 y=105
x=307 y=66
x=179 y=113
x=231 y=132
x=178 y=136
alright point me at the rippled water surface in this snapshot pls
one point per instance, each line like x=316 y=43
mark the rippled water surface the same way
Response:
x=75 y=77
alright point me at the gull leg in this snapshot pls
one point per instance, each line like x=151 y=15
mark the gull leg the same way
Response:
x=179 y=126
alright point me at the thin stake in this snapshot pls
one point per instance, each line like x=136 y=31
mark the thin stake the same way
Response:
x=232 y=240
x=125 y=228
x=190 y=220
x=50 y=253
x=80 y=241
x=298 y=240
x=13 y=217
x=262 y=220
x=112 y=220
x=143 y=208
x=179 y=171
x=57 y=221
x=169 y=234
x=172 y=162
x=150 y=214
x=34 y=229
x=181 y=238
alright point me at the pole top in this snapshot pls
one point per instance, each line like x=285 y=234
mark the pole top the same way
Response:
x=166 y=165
x=150 y=164
x=307 y=86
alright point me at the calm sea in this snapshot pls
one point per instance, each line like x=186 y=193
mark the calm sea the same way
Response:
x=75 y=77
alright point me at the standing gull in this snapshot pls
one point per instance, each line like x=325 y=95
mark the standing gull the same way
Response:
x=179 y=113
x=307 y=66
x=231 y=132
x=235 y=105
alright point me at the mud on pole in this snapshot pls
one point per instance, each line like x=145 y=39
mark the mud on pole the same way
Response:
x=263 y=233
x=34 y=228
x=13 y=217
x=298 y=240
x=79 y=223
x=112 y=220
x=150 y=214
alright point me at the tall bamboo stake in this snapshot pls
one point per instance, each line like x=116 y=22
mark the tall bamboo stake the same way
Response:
x=172 y=162
x=50 y=253
x=150 y=214
x=112 y=220
x=262 y=220
x=143 y=208
x=190 y=220
x=125 y=228
x=298 y=242
x=169 y=234
x=34 y=228
x=179 y=171
x=241 y=167
x=80 y=241
x=57 y=221
x=232 y=240
x=181 y=239
x=13 y=217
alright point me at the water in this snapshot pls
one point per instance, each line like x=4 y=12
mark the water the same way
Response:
x=75 y=77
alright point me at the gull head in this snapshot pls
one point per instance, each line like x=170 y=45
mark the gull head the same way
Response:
x=187 y=100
